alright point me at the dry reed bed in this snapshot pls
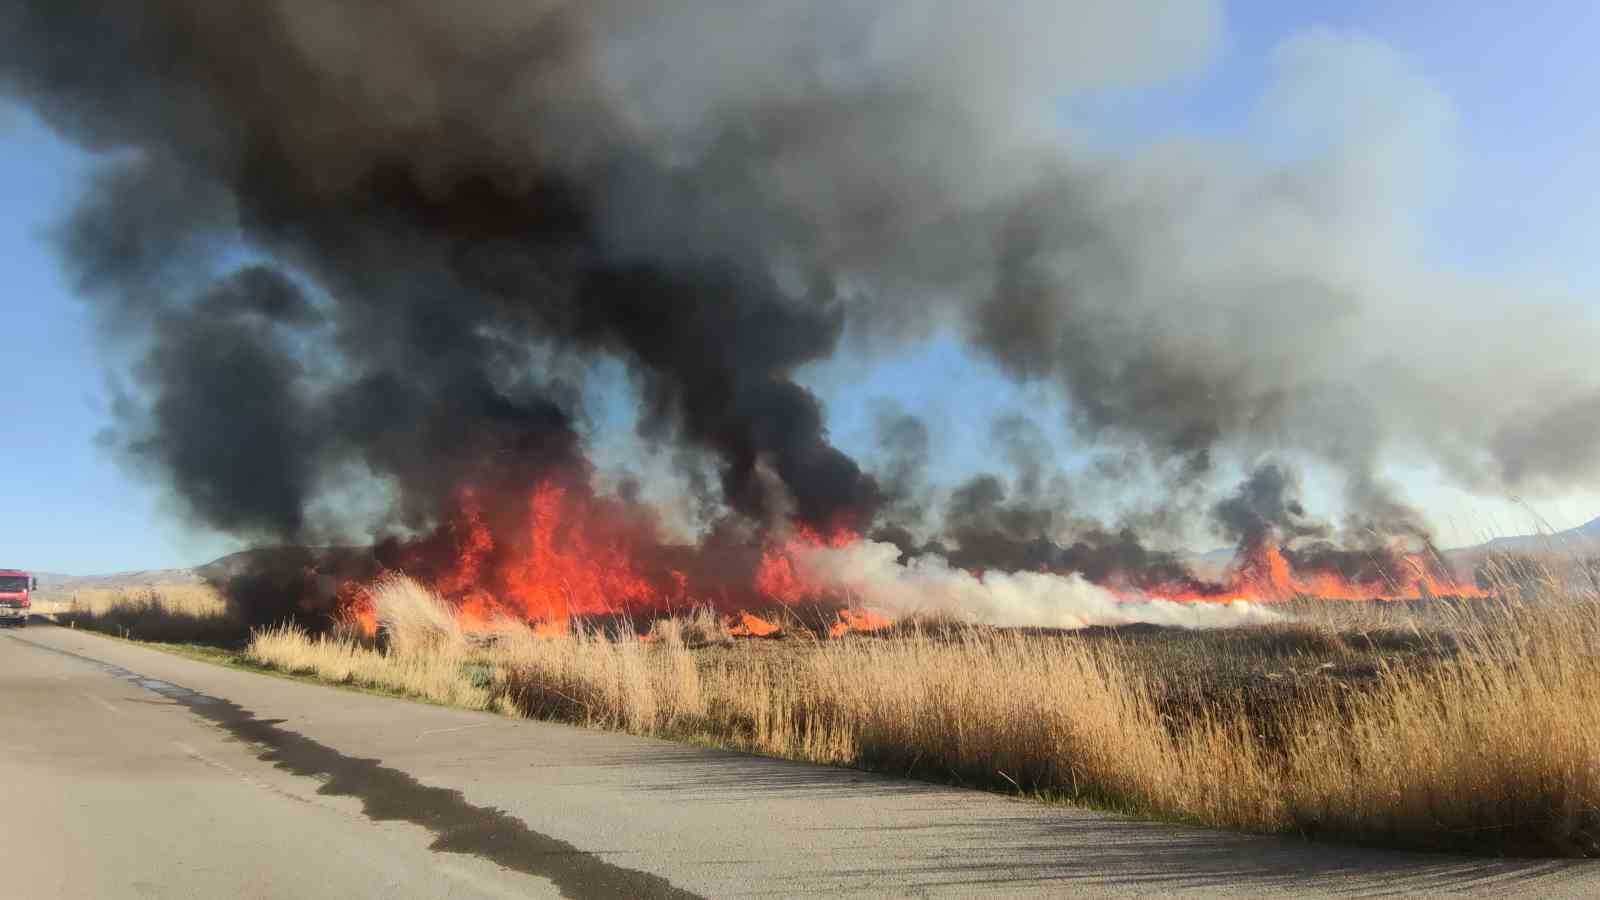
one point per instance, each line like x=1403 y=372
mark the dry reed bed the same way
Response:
x=1493 y=748
x=178 y=613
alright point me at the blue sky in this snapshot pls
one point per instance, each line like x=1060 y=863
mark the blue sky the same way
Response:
x=1523 y=78
x=70 y=505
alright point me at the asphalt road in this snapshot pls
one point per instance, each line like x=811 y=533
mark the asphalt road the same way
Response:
x=127 y=772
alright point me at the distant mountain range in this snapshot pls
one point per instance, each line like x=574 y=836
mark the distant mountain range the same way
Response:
x=53 y=583
x=1584 y=538
x=1561 y=549
x=222 y=568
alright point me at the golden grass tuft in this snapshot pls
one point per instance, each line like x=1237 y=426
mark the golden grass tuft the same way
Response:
x=414 y=620
x=702 y=627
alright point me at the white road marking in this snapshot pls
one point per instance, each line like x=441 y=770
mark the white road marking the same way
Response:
x=103 y=702
x=245 y=777
x=449 y=730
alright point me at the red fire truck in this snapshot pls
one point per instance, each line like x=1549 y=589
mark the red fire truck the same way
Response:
x=15 y=602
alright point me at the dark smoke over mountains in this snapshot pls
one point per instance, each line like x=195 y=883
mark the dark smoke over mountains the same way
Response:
x=377 y=247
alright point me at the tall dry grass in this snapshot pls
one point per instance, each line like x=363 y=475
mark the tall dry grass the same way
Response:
x=170 y=613
x=1494 y=747
x=1499 y=749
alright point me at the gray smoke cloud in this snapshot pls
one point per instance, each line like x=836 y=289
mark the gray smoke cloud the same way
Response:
x=906 y=449
x=438 y=205
x=1266 y=507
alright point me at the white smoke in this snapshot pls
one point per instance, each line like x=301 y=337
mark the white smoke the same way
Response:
x=871 y=574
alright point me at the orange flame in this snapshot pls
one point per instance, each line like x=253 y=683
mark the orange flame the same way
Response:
x=1262 y=573
x=750 y=625
x=857 y=620
x=356 y=609
x=473 y=543
x=565 y=557
x=776 y=576
x=565 y=568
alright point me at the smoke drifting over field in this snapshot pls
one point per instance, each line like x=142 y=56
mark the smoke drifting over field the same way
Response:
x=379 y=247
x=872 y=575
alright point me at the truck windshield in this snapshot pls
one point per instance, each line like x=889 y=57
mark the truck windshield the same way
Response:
x=13 y=584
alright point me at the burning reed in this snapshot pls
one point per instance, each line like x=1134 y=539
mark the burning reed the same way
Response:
x=1484 y=745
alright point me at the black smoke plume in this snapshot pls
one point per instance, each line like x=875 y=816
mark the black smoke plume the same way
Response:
x=451 y=260
x=376 y=247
